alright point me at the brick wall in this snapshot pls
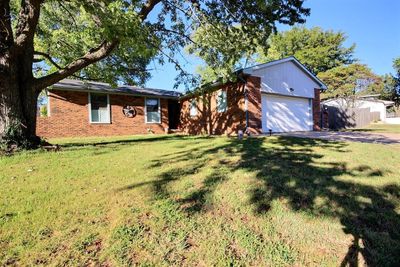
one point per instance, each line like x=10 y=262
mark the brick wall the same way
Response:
x=209 y=120
x=325 y=120
x=317 y=110
x=69 y=116
x=254 y=104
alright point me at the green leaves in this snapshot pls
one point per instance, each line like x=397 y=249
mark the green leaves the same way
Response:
x=392 y=85
x=221 y=48
x=319 y=50
x=344 y=81
x=221 y=32
x=70 y=29
x=231 y=32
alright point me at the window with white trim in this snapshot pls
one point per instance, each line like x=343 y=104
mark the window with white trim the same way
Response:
x=222 y=103
x=153 y=112
x=193 y=108
x=99 y=106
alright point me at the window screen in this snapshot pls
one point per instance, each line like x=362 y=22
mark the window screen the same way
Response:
x=153 y=110
x=193 y=108
x=99 y=108
x=222 y=103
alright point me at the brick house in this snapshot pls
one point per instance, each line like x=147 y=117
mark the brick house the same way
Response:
x=77 y=108
x=280 y=96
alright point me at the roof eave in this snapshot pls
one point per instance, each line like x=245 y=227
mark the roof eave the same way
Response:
x=88 y=90
x=249 y=70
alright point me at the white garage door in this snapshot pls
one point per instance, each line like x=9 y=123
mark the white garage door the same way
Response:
x=286 y=114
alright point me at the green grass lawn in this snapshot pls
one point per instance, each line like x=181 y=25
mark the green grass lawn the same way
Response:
x=379 y=128
x=170 y=200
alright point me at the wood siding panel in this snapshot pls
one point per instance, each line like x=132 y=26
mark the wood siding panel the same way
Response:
x=279 y=78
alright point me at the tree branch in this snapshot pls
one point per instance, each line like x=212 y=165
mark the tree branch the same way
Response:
x=28 y=19
x=177 y=33
x=171 y=59
x=147 y=8
x=6 y=34
x=94 y=55
x=102 y=51
x=69 y=13
x=48 y=57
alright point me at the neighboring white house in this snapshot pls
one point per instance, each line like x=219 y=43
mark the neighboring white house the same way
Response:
x=287 y=93
x=368 y=101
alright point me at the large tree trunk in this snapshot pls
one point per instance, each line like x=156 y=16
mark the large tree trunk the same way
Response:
x=18 y=88
x=18 y=97
x=18 y=100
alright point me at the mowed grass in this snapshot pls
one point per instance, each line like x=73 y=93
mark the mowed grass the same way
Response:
x=380 y=128
x=171 y=200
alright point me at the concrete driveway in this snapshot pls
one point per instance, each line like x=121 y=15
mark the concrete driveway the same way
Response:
x=363 y=137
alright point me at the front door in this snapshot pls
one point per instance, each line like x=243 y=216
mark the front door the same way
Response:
x=174 y=111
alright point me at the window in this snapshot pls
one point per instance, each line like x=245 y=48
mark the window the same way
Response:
x=153 y=114
x=43 y=104
x=48 y=103
x=193 y=108
x=99 y=106
x=222 y=104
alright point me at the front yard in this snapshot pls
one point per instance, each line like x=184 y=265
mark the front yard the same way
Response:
x=170 y=200
x=380 y=128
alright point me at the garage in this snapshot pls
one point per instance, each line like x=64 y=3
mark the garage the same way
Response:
x=286 y=114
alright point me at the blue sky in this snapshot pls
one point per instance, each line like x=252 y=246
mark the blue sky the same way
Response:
x=374 y=25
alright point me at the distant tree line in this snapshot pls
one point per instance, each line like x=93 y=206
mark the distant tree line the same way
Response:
x=324 y=53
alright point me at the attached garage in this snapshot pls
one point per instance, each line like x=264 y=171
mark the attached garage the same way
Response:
x=290 y=96
x=286 y=114
x=278 y=96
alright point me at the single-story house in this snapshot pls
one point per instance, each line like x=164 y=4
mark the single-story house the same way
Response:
x=360 y=102
x=77 y=108
x=279 y=96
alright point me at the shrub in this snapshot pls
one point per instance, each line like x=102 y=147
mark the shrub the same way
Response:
x=15 y=137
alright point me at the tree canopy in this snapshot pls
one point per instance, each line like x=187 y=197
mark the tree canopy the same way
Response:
x=396 y=66
x=351 y=80
x=392 y=84
x=42 y=42
x=319 y=50
x=389 y=91
x=67 y=30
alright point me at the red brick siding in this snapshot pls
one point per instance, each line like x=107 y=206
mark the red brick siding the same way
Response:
x=325 y=120
x=69 y=116
x=208 y=120
x=254 y=104
x=317 y=109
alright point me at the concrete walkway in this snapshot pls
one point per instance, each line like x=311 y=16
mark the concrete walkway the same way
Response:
x=363 y=137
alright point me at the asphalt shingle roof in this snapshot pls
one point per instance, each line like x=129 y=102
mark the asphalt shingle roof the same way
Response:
x=77 y=85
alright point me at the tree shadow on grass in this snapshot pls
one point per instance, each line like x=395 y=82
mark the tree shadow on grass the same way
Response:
x=364 y=130
x=126 y=140
x=290 y=169
x=191 y=160
x=159 y=186
x=107 y=145
x=291 y=172
x=196 y=200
